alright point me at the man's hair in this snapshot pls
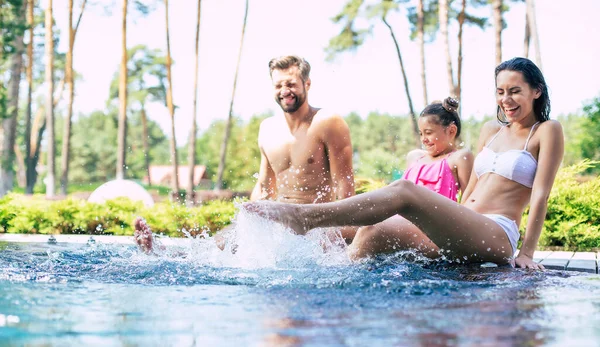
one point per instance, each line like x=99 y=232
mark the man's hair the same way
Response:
x=286 y=62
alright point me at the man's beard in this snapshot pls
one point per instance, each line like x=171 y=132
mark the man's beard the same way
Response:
x=298 y=101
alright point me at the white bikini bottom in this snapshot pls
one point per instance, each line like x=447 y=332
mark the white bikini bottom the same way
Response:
x=509 y=226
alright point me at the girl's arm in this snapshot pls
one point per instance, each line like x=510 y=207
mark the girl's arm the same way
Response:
x=549 y=159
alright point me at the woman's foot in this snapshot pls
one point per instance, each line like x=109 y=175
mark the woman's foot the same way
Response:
x=289 y=215
x=143 y=235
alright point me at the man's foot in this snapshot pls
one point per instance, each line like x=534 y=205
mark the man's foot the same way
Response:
x=288 y=215
x=143 y=235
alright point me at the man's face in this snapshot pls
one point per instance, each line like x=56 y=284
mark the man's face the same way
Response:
x=290 y=90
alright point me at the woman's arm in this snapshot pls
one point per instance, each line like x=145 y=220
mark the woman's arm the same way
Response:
x=487 y=130
x=463 y=162
x=549 y=159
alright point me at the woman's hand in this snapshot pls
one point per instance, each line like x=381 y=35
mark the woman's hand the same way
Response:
x=527 y=262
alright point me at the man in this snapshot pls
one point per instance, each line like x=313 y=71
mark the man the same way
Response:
x=306 y=155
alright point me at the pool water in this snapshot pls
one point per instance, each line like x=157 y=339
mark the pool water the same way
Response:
x=281 y=289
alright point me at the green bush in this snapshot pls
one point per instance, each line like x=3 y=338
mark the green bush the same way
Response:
x=572 y=220
x=36 y=215
x=573 y=217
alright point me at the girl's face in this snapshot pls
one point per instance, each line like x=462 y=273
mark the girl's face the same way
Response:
x=436 y=138
x=515 y=97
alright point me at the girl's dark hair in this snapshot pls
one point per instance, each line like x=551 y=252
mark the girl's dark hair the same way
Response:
x=445 y=112
x=533 y=76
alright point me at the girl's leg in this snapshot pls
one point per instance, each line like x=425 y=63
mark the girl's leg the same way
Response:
x=392 y=235
x=452 y=227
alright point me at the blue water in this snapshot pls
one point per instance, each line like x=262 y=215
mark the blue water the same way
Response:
x=280 y=289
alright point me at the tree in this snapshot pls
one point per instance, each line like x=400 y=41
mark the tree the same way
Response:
x=193 y=129
x=424 y=21
x=29 y=169
x=446 y=12
x=66 y=148
x=350 y=38
x=8 y=116
x=51 y=149
x=531 y=29
x=498 y=26
x=219 y=184
x=122 y=133
x=146 y=82
x=443 y=13
x=421 y=43
x=174 y=159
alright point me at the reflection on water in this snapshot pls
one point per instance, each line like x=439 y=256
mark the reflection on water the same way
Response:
x=281 y=289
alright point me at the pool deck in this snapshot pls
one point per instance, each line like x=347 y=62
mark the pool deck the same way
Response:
x=556 y=260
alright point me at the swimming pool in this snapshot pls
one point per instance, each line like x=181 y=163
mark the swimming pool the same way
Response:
x=281 y=289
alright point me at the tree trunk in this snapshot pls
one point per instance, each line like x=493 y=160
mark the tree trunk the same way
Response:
x=29 y=72
x=192 y=141
x=221 y=170
x=51 y=149
x=9 y=125
x=122 y=132
x=38 y=128
x=461 y=23
x=66 y=148
x=71 y=94
x=497 y=14
x=443 y=18
x=527 y=33
x=534 y=32
x=421 y=43
x=20 y=161
x=174 y=161
x=413 y=117
x=145 y=143
x=37 y=131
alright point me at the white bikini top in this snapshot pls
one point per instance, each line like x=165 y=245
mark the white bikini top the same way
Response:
x=516 y=165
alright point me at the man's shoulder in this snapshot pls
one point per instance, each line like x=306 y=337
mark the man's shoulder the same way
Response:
x=325 y=114
x=269 y=122
x=328 y=118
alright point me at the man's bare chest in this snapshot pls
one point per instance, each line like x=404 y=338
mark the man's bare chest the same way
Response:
x=301 y=153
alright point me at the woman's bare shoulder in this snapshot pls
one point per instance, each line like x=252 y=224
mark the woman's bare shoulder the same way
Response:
x=491 y=126
x=551 y=126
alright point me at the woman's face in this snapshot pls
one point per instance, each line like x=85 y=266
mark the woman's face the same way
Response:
x=436 y=138
x=514 y=96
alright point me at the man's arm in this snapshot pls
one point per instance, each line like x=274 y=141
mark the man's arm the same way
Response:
x=266 y=187
x=339 y=150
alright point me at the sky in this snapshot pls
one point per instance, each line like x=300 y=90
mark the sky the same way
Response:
x=368 y=79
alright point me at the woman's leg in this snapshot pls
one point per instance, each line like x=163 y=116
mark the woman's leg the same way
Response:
x=452 y=227
x=392 y=235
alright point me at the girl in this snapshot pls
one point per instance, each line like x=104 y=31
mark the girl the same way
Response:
x=439 y=166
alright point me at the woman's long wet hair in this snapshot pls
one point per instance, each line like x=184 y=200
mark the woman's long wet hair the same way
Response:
x=445 y=113
x=534 y=77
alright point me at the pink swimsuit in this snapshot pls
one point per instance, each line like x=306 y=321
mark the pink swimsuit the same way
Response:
x=436 y=176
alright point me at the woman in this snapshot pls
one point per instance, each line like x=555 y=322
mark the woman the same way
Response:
x=518 y=158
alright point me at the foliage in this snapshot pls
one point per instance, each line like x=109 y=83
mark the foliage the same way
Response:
x=573 y=217
x=572 y=220
x=93 y=156
x=12 y=26
x=243 y=154
x=115 y=217
x=363 y=185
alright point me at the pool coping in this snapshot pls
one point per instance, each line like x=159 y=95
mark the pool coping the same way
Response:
x=557 y=260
